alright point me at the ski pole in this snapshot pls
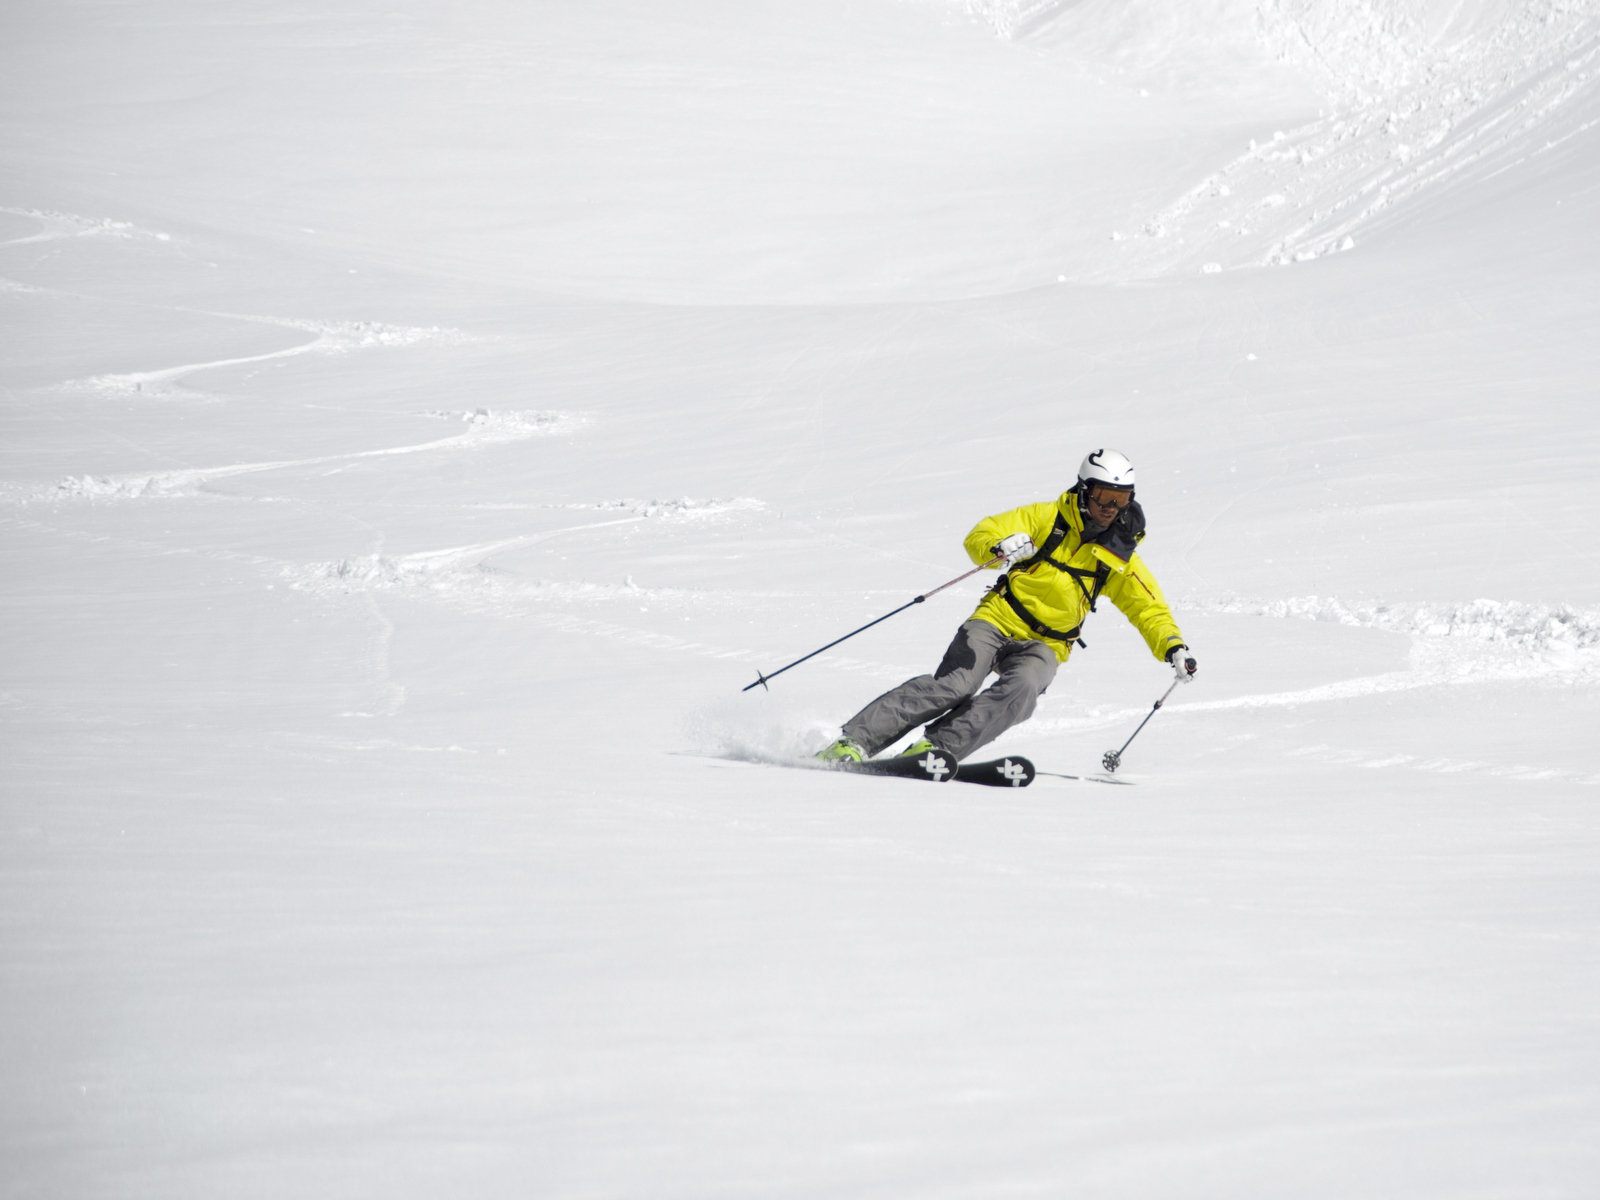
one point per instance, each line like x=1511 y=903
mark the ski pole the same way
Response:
x=1113 y=758
x=761 y=680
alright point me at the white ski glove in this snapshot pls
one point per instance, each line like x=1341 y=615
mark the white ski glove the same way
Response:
x=1015 y=547
x=1183 y=664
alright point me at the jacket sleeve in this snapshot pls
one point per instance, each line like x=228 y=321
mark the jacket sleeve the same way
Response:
x=1035 y=520
x=1136 y=592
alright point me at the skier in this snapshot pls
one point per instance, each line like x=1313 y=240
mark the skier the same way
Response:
x=1058 y=558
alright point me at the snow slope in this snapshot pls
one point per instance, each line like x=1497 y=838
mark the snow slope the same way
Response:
x=421 y=421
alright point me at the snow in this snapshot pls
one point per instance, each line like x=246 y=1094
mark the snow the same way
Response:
x=421 y=422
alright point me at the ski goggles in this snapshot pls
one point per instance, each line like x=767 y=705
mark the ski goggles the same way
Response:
x=1113 y=498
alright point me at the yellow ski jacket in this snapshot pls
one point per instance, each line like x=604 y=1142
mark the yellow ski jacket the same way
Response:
x=1047 y=597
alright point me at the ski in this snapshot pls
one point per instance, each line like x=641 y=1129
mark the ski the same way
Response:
x=1011 y=771
x=934 y=765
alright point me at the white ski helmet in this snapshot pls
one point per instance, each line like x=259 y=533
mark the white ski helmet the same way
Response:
x=1107 y=466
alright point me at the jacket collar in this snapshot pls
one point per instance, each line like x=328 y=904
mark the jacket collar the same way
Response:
x=1119 y=540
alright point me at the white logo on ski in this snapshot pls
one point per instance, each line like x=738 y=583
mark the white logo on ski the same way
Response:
x=1013 y=773
x=936 y=766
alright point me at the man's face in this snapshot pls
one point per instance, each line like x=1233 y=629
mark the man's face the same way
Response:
x=1105 y=503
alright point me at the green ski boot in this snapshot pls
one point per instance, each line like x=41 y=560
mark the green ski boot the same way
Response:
x=843 y=750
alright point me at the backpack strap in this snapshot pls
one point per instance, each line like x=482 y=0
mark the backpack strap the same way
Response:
x=1058 y=534
x=1090 y=583
x=1002 y=588
x=1096 y=581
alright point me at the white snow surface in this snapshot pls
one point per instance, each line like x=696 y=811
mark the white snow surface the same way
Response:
x=421 y=420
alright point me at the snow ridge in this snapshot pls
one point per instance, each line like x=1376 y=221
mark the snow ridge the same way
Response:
x=1015 y=18
x=1560 y=633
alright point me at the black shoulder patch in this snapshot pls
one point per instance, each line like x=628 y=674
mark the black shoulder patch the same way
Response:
x=1126 y=532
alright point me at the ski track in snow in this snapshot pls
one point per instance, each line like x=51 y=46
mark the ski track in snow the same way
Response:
x=483 y=428
x=463 y=577
x=1410 y=113
x=390 y=692
x=327 y=337
x=60 y=226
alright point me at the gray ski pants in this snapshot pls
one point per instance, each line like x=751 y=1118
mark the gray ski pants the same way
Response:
x=962 y=718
